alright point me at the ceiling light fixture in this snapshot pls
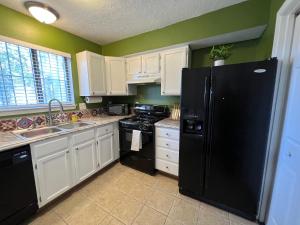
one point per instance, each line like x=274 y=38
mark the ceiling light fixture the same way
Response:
x=42 y=12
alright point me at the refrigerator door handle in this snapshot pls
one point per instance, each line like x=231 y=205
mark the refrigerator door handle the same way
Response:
x=211 y=106
x=205 y=90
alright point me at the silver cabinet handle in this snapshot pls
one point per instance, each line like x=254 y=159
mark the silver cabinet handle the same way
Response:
x=167 y=155
x=76 y=148
x=167 y=167
x=68 y=152
x=167 y=134
x=167 y=144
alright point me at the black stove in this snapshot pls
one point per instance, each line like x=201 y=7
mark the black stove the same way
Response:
x=145 y=117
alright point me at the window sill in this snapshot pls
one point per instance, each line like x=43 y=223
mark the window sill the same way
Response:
x=33 y=110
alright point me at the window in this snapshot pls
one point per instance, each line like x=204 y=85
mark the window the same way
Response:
x=29 y=78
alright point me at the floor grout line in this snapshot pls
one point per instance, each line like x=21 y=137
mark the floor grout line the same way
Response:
x=111 y=179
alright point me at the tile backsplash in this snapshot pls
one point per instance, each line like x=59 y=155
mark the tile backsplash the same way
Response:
x=36 y=121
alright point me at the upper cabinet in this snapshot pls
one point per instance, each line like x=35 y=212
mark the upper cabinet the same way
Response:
x=91 y=74
x=147 y=65
x=134 y=66
x=173 y=61
x=151 y=64
x=116 y=77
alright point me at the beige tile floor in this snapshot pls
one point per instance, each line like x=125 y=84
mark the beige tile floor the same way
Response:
x=121 y=195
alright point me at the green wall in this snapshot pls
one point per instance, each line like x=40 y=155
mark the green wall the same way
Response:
x=241 y=16
x=19 y=26
x=237 y=17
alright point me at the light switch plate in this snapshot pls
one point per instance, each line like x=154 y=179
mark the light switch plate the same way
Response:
x=82 y=106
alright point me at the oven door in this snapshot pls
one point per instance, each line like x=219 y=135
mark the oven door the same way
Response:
x=143 y=160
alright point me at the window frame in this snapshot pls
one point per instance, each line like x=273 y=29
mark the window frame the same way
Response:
x=36 y=108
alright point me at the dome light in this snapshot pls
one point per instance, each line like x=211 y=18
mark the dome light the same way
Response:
x=41 y=12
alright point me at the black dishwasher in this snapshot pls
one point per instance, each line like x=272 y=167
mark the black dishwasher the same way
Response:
x=18 y=198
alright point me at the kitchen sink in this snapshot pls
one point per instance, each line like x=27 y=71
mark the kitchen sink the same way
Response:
x=38 y=132
x=69 y=126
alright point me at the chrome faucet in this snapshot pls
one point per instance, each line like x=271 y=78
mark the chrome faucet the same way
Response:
x=50 y=109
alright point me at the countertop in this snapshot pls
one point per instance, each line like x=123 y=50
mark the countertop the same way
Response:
x=9 y=140
x=168 y=123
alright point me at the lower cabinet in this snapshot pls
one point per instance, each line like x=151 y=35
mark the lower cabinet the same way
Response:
x=84 y=151
x=85 y=160
x=64 y=161
x=167 y=150
x=52 y=168
x=105 y=149
x=116 y=141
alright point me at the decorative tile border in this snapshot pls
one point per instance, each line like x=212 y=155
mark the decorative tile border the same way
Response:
x=37 y=121
x=24 y=122
x=8 y=125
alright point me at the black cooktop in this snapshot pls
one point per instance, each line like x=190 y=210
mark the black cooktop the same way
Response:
x=146 y=116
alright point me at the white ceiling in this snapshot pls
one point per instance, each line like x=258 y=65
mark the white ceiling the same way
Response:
x=106 y=21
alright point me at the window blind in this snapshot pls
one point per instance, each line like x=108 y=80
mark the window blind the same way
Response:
x=31 y=77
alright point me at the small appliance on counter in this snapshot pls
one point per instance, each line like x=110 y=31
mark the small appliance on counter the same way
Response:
x=143 y=158
x=118 y=109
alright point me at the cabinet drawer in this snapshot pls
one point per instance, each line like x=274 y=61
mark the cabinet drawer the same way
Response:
x=166 y=154
x=168 y=167
x=49 y=147
x=83 y=136
x=168 y=133
x=167 y=143
x=105 y=130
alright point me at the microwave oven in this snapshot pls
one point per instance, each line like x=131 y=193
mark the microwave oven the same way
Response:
x=117 y=109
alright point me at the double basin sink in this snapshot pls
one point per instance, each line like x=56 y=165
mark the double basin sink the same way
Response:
x=50 y=130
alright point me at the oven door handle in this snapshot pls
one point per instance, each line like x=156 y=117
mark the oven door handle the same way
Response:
x=130 y=130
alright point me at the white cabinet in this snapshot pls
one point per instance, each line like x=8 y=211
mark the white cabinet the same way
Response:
x=134 y=66
x=105 y=145
x=91 y=74
x=106 y=149
x=147 y=65
x=167 y=150
x=53 y=173
x=115 y=76
x=151 y=64
x=172 y=63
x=116 y=141
x=64 y=161
x=84 y=149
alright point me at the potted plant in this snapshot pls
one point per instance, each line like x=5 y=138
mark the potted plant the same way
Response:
x=219 y=54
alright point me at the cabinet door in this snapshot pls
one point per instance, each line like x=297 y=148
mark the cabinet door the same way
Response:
x=172 y=63
x=85 y=160
x=105 y=150
x=151 y=64
x=96 y=70
x=134 y=66
x=115 y=76
x=54 y=175
x=116 y=144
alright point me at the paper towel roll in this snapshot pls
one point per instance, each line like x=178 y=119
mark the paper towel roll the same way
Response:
x=93 y=99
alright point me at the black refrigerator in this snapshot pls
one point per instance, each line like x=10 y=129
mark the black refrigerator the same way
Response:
x=225 y=118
